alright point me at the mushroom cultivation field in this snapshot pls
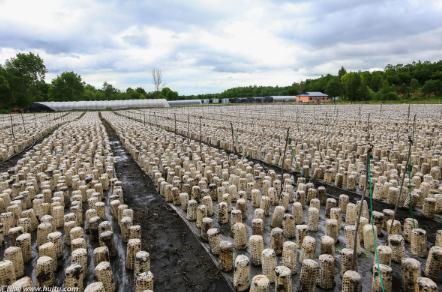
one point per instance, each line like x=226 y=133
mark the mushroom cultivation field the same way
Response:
x=19 y=131
x=227 y=198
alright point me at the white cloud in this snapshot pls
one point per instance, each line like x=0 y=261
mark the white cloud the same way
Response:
x=211 y=45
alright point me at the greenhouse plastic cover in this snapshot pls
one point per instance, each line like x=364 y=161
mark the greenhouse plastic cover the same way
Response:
x=284 y=98
x=104 y=104
x=185 y=102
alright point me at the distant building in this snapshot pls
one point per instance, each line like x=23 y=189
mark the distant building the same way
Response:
x=312 y=97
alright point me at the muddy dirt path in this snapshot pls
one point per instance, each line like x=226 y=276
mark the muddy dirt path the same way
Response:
x=178 y=261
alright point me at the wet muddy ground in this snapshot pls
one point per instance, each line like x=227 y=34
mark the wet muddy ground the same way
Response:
x=178 y=260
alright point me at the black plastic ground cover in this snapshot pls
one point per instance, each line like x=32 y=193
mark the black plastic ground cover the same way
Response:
x=178 y=260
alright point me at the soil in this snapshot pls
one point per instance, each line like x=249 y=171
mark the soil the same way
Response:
x=178 y=260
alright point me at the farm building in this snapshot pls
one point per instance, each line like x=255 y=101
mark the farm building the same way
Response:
x=312 y=97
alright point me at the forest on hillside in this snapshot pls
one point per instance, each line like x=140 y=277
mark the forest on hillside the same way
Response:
x=22 y=81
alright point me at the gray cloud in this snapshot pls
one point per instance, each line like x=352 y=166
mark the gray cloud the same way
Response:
x=221 y=43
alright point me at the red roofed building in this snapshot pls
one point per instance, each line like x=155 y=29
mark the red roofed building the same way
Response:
x=312 y=97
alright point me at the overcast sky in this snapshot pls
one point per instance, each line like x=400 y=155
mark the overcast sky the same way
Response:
x=211 y=45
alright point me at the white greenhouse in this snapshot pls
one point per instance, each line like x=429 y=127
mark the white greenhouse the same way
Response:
x=98 y=104
x=186 y=102
x=283 y=98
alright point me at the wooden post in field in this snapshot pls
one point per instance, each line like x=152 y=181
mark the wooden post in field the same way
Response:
x=201 y=150
x=285 y=149
x=174 y=115
x=188 y=126
x=23 y=123
x=12 y=126
x=367 y=190
x=410 y=144
x=233 y=138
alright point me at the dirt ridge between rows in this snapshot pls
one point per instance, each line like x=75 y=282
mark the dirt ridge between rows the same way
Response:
x=178 y=261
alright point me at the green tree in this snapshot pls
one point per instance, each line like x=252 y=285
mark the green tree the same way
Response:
x=354 y=87
x=109 y=92
x=168 y=93
x=333 y=88
x=25 y=72
x=432 y=87
x=377 y=78
x=90 y=92
x=67 y=86
x=5 y=91
x=414 y=86
x=386 y=92
x=342 y=72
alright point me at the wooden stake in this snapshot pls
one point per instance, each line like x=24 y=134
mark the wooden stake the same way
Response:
x=233 y=138
x=12 y=126
x=398 y=199
x=174 y=115
x=283 y=157
x=200 y=137
x=355 y=244
x=23 y=123
x=188 y=127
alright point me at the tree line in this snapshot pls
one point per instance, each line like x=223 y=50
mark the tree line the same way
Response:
x=22 y=81
x=418 y=80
